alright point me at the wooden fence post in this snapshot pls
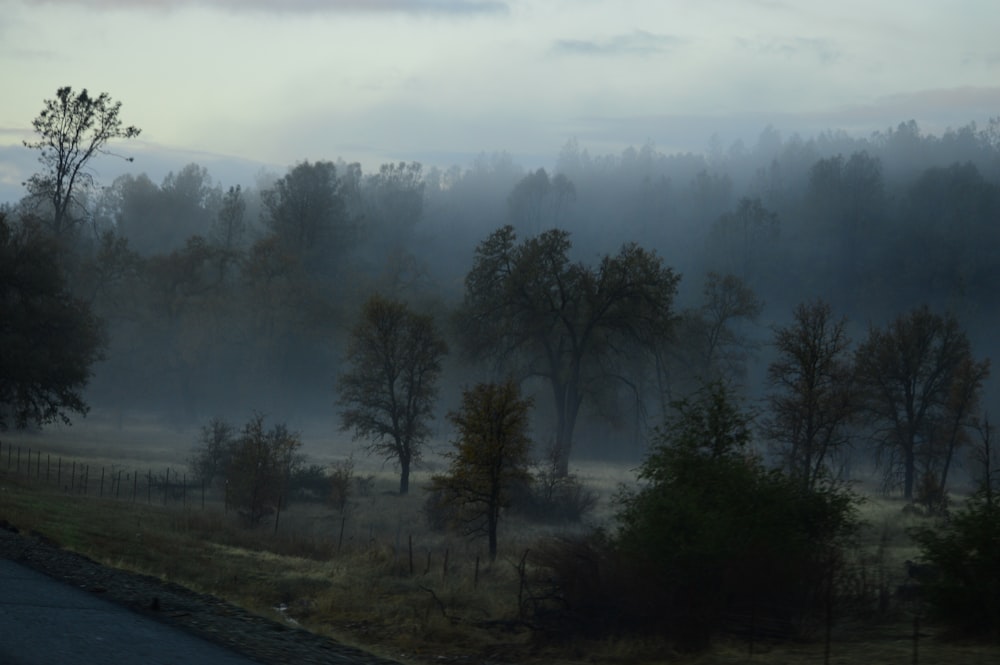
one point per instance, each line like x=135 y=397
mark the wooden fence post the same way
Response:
x=72 y=477
x=101 y=491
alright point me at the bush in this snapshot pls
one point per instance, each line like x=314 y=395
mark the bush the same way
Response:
x=550 y=497
x=260 y=466
x=711 y=541
x=964 y=550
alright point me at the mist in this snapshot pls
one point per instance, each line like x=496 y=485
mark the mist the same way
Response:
x=209 y=316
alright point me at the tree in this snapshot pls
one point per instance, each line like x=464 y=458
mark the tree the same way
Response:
x=537 y=201
x=306 y=212
x=490 y=456
x=908 y=378
x=964 y=592
x=388 y=393
x=72 y=129
x=49 y=340
x=744 y=234
x=811 y=400
x=709 y=344
x=529 y=308
x=260 y=463
x=710 y=532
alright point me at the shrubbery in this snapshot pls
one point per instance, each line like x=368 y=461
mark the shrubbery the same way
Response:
x=964 y=553
x=712 y=540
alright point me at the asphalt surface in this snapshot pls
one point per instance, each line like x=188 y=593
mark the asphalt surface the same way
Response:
x=47 y=622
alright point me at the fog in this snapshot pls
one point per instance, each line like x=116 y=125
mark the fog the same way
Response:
x=208 y=318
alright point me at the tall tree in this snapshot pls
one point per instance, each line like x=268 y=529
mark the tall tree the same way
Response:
x=811 y=392
x=534 y=311
x=538 y=201
x=305 y=210
x=48 y=339
x=491 y=455
x=908 y=375
x=73 y=128
x=744 y=234
x=388 y=393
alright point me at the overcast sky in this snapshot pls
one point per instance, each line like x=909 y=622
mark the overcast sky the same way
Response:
x=274 y=82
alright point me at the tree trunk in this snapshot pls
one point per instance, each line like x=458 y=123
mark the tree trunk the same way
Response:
x=909 y=472
x=404 y=476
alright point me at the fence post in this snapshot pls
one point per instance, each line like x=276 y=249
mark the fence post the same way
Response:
x=277 y=515
x=166 y=485
x=72 y=477
x=59 y=473
x=48 y=466
x=135 y=484
x=101 y=491
x=118 y=488
x=86 y=478
x=149 y=486
x=184 y=490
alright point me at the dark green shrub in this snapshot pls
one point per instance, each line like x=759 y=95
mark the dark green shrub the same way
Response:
x=964 y=594
x=711 y=541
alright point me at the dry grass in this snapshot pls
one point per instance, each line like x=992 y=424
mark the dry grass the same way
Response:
x=350 y=575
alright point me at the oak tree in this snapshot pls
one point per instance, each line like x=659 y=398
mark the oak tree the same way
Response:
x=536 y=313
x=910 y=377
x=49 y=340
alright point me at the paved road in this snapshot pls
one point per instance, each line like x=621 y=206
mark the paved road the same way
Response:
x=47 y=622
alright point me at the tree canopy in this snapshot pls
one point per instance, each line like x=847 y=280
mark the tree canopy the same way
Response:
x=536 y=313
x=49 y=340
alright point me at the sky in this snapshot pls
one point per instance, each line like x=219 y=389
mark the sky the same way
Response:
x=241 y=86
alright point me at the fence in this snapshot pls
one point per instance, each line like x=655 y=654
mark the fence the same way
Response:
x=116 y=481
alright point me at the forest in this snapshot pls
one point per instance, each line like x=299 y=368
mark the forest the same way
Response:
x=219 y=298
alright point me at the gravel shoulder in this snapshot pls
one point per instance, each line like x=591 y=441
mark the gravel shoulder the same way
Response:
x=259 y=638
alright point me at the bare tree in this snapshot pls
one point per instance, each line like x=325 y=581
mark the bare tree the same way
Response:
x=811 y=392
x=909 y=375
x=388 y=393
x=72 y=129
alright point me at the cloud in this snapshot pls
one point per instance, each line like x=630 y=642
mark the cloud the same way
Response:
x=795 y=47
x=639 y=42
x=448 y=7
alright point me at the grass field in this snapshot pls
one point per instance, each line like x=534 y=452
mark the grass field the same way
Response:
x=374 y=576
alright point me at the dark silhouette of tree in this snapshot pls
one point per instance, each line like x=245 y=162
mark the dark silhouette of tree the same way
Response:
x=388 y=393
x=491 y=456
x=744 y=235
x=530 y=309
x=305 y=210
x=907 y=378
x=49 y=340
x=73 y=128
x=538 y=202
x=811 y=399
